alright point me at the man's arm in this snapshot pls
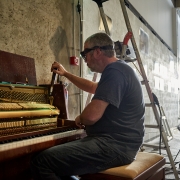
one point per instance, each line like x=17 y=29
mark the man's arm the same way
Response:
x=92 y=113
x=84 y=84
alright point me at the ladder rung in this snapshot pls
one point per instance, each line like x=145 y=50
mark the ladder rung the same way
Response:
x=148 y=104
x=143 y=82
x=151 y=126
x=129 y=60
x=153 y=145
x=169 y=138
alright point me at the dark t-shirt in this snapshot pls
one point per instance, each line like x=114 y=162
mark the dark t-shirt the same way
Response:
x=123 y=120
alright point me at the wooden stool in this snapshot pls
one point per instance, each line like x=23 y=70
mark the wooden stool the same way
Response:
x=147 y=166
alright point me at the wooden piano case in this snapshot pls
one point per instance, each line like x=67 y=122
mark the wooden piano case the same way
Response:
x=15 y=161
x=15 y=164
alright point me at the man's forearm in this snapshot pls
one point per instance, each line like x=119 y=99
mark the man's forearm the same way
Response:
x=93 y=112
x=84 y=84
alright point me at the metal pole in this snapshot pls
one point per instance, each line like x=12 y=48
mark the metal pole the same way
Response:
x=81 y=46
x=99 y=3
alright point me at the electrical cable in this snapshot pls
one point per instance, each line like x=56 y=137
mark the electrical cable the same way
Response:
x=160 y=120
x=79 y=11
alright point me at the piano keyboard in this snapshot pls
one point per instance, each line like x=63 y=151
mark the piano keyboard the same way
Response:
x=37 y=140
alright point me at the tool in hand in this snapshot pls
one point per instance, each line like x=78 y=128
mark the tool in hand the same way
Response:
x=51 y=87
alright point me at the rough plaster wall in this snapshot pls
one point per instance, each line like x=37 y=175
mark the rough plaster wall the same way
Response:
x=42 y=30
x=157 y=53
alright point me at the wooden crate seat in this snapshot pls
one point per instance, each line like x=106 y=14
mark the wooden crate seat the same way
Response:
x=147 y=166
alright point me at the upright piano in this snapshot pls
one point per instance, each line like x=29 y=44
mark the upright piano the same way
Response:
x=31 y=120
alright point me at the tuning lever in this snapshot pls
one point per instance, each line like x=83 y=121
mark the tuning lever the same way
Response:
x=52 y=81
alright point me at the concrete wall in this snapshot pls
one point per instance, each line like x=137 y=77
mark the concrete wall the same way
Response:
x=46 y=31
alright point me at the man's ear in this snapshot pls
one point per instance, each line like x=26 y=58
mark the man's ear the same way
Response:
x=97 y=53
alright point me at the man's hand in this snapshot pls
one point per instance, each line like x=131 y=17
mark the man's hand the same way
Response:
x=58 y=68
x=78 y=122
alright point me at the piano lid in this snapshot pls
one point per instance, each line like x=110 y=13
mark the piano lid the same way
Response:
x=17 y=69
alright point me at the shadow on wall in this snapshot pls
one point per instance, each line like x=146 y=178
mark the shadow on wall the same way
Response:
x=58 y=41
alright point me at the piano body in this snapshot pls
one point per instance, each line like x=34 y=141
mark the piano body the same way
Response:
x=29 y=124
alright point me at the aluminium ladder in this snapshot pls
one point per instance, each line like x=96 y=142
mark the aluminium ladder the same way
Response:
x=145 y=81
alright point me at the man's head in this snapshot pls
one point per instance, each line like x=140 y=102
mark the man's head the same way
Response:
x=98 y=51
x=102 y=40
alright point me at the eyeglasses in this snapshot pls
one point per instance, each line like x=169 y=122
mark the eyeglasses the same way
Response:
x=83 y=53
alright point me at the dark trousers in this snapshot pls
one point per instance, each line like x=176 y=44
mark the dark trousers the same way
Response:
x=87 y=155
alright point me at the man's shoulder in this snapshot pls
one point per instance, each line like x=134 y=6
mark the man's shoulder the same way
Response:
x=119 y=65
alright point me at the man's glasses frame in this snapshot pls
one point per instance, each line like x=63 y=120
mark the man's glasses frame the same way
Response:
x=83 y=53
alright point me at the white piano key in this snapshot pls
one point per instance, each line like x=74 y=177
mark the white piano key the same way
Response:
x=36 y=140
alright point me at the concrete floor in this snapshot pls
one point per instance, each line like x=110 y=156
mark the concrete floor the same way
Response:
x=174 y=145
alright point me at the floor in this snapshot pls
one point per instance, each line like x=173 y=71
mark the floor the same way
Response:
x=174 y=145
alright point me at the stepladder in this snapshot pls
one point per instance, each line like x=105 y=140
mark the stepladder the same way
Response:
x=161 y=120
x=164 y=131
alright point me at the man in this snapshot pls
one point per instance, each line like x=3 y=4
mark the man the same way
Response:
x=113 y=119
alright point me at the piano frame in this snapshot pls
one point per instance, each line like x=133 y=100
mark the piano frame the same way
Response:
x=15 y=161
